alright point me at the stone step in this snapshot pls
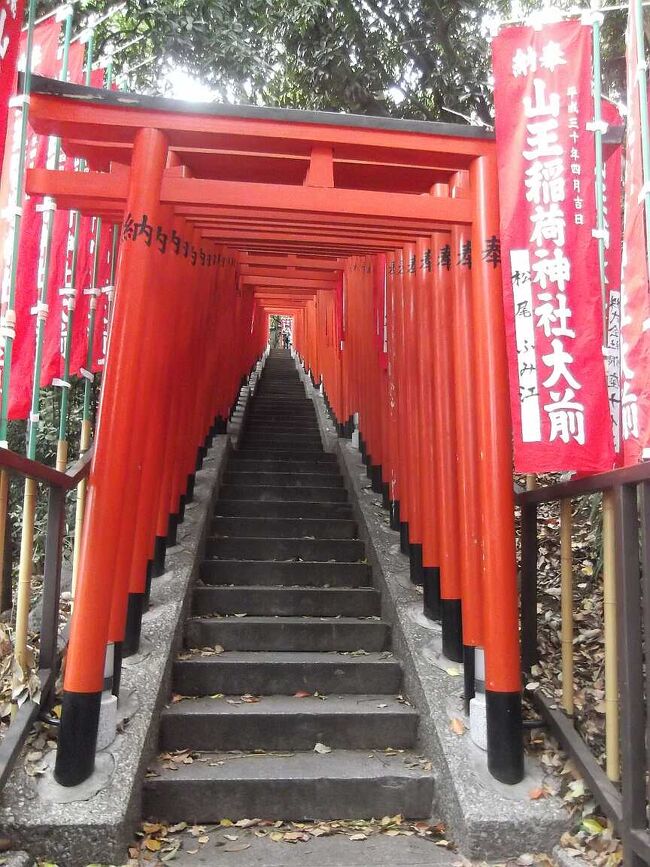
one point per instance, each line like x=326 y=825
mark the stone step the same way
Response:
x=278 y=673
x=246 y=465
x=276 y=451
x=288 y=573
x=342 y=784
x=275 y=441
x=272 y=436
x=320 y=550
x=250 y=454
x=287 y=601
x=296 y=480
x=273 y=411
x=280 y=509
x=280 y=403
x=287 y=633
x=294 y=528
x=280 y=722
x=291 y=431
x=312 y=494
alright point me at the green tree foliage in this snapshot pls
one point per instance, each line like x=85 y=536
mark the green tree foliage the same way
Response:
x=421 y=59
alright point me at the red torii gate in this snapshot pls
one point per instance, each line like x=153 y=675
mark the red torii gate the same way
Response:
x=296 y=201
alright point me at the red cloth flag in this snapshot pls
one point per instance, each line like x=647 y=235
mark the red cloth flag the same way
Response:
x=552 y=294
x=45 y=61
x=60 y=280
x=635 y=306
x=103 y=299
x=11 y=19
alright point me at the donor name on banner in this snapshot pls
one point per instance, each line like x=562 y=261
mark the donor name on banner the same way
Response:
x=552 y=293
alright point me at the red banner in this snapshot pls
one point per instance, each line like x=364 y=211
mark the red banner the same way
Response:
x=60 y=295
x=103 y=299
x=11 y=19
x=45 y=61
x=635 y=306
x=552 y=294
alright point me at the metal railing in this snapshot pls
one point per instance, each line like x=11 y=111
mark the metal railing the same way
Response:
x=620 y=788
x=49 y=652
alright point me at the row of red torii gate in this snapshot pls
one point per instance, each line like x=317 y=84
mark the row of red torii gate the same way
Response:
x=380 y=239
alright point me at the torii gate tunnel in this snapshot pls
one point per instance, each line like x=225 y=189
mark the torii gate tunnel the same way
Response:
x=230 y=214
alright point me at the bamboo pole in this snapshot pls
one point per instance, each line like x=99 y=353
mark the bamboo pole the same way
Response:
x=86 y=424
x=566 y=597
x=599 y=127
x=8 y=324
x=25 y=567
x=531 y=481
x=4 y=498
x=612 y=748
x=642 y=83
x=62 y=444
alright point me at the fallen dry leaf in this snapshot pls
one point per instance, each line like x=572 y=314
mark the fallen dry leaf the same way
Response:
x=457 y=726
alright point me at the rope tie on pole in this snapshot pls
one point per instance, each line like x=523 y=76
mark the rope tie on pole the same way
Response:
x=8 y=325
x=47 y=206
x=19 y=100
x=40 y=310
x=12 y=211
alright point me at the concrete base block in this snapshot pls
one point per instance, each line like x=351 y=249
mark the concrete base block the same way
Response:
x=100 y=828
x=107 y=721
x=50 y=792
x=487 y=820
x=478 y=721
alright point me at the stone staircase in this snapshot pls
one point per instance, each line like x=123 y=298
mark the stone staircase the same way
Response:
x=286 y=592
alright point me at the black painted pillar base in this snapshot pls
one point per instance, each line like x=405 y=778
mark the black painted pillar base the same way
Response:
x=172 y=530
x=181 y=508
x=469 y=675
x=134 y=611
x=431 y=596
x=75 y=757
x=504 y=736
x=220 y=425
x=159 y=553
x=189 y=489
x=452 y=629
x=375 y=479
x=404 y=537
x=117 y=669
x=415 y=563
x=385 y=496
x=394 y=514
x=200 y=454
x=147 y=584
x=349 y=428
x=340 y=430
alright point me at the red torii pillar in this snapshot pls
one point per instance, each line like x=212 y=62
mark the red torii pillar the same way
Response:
x=500 y=602
x=113 y=463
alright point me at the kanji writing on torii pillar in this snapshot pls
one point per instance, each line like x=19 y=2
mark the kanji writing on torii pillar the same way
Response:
x=552 y=293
